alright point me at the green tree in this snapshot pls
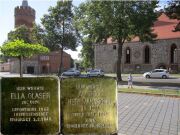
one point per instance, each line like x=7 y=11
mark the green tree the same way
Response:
x=1 y=57
x=37 y=34
x=20 y=49
x=40 y=36
x=58 y=24
x=21 y=33
x=173 y=9
x=121 y=20
x=87 y=54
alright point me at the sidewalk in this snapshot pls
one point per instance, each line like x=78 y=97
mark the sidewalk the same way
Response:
x=148 y=115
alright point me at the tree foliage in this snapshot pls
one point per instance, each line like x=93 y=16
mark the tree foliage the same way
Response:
x=173 y=9
x=20 y=49
x=53 y=24
x=87 y=54
x=58 y=24
x=38 y=34
x=120 y=20
x=21 y=33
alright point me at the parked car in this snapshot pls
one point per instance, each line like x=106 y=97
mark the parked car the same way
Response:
x=71 y=72
x=157 y=73
x=95 y=72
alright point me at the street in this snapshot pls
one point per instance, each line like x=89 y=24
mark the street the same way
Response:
x=173 y=80
x=142 y=79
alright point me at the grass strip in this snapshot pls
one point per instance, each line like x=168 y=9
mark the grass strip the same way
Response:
x=151 y=91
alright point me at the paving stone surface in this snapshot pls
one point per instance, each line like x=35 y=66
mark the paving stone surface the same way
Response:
x=148 y=115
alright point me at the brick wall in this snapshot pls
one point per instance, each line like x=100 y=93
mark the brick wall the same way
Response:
x=42 y=64
x=160 y=55
x=4 y=67
x=24 y=16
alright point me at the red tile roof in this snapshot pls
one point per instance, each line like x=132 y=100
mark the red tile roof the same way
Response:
x=163 y=27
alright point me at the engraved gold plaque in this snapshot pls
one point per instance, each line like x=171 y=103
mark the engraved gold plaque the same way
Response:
x=89 y=106
x=29 y=106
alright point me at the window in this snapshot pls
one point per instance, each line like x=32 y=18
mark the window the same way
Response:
x=147 y=55
x=153 y=71
x=128 y=55
x=44 y=58
x=173 y=47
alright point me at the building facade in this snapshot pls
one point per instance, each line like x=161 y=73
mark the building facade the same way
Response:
x=42 y=64
x=5 y=67
x=138 y=57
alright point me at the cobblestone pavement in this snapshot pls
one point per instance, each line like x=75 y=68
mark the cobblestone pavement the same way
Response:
x=148 y=115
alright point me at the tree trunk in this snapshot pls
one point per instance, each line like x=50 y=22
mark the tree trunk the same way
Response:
x=21 y=66
x=61 y=63
x=119 y=78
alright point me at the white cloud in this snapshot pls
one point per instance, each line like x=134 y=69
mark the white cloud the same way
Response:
x=74 y=54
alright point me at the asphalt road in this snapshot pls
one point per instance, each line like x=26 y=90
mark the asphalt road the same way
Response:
x=137 y=80
x=142 y=79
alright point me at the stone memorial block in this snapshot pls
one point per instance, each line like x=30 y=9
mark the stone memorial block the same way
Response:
x=29 y=106
x=89 y=106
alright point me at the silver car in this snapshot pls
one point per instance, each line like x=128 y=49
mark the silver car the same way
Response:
x=157 y=73
x=71 y=72
x=95 y=72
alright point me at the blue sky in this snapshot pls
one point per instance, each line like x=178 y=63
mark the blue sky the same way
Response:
x=41 y=7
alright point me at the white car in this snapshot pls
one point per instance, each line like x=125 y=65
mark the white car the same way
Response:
x=71 y=72
x=95 y=72
x=157 y=73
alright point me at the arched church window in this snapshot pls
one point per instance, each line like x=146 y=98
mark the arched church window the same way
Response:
x=128 y=55
x=173 y=47
x=147 y=55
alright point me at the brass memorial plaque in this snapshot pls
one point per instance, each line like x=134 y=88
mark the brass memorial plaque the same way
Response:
x=29 y=106
x=89 y=106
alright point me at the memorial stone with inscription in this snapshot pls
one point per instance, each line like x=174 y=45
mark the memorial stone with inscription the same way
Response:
x=89 y=106
x=29 y=106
